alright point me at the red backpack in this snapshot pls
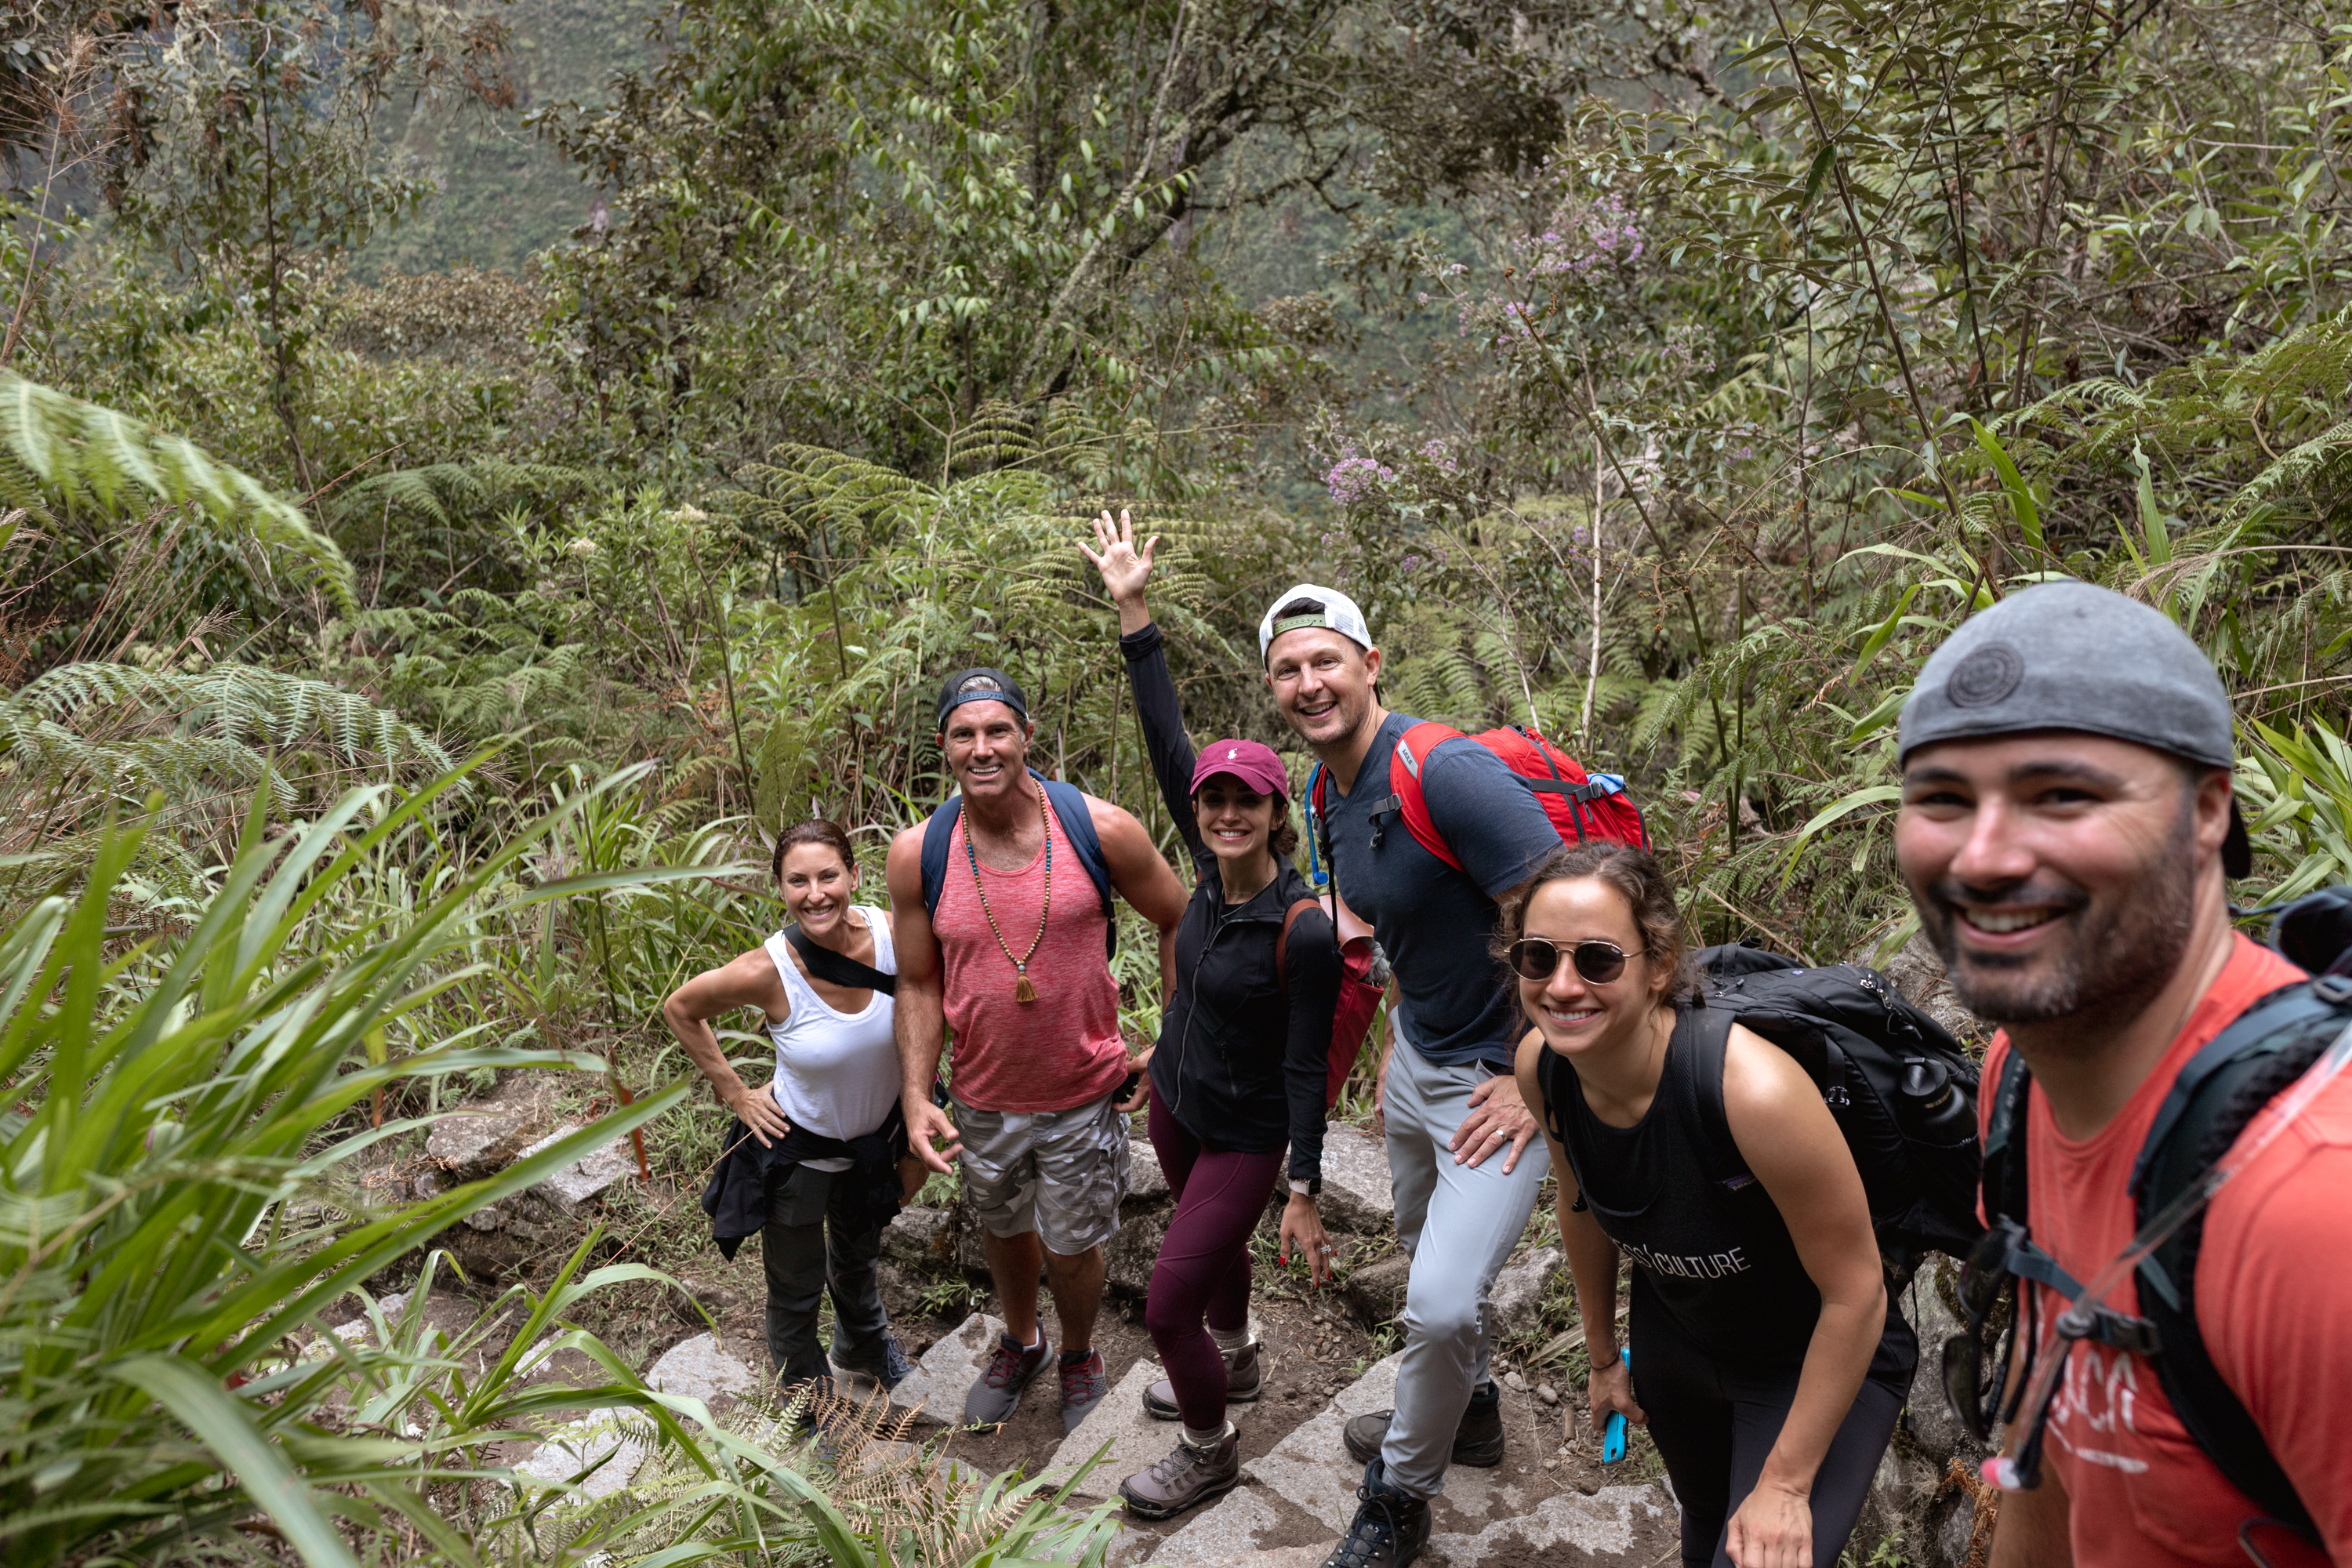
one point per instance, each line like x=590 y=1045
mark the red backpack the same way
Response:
x=1581 y=806
x=1359 y=999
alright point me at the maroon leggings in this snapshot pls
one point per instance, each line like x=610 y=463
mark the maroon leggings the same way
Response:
x=1204 y=1269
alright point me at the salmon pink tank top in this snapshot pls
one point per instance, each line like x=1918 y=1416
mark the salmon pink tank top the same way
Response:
x=1065 y=1048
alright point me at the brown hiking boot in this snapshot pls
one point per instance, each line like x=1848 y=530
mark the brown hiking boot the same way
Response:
x=1245 y=1380
x=1186 y=1477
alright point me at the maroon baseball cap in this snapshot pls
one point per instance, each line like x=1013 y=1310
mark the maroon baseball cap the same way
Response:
x=1251 y=761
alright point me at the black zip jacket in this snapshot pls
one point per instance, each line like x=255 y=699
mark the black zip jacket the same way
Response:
x=1240 y=1064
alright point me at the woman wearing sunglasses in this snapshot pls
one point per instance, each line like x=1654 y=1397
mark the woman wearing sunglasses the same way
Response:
x=1768 y=1361
x=1238 y=1073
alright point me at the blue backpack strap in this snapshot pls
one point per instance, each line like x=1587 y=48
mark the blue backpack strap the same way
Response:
x=1069 y=803
x=938 y=833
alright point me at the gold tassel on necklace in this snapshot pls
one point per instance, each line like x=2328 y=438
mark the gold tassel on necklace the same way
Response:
x=1025 y=990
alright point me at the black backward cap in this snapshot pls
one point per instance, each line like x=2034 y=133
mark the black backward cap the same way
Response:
x=980 y=685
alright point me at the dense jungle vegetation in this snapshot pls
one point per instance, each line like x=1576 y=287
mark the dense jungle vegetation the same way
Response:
x=408 y=630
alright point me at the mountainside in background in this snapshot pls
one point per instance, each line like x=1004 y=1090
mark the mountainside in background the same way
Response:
x=504 y=192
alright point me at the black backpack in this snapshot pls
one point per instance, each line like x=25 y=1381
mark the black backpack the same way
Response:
x=1902 y=1090
x=2268 y=1047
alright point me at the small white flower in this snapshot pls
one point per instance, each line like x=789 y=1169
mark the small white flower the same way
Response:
x=583 y=548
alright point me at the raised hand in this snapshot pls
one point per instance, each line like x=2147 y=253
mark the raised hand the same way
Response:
x=1125 y=569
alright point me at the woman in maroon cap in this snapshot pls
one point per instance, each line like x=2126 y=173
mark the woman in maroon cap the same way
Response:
x=1239 y=1070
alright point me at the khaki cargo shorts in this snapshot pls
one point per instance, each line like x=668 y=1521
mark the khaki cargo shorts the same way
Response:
x=1058 y=1172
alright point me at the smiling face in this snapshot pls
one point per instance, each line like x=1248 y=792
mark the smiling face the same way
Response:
x=818 y=887
x=987 y=745
x=1577 y=1017
x=2057 y=872
x=1322 y=683
x=1235 y=819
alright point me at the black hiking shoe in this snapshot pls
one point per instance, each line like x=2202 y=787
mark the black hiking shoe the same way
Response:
x=1389 y=1530
x=1477 y=1442
x=882 y=1361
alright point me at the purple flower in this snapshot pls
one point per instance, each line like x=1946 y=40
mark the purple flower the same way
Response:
x=1353 y=477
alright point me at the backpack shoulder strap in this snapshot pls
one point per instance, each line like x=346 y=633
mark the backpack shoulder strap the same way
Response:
x=2216 y=1094
x=1282 y=943
x=1704 y=1033
x=1405 y=796
x=1555 y=1082
x=937 y=834
x=2004 y=1189
x=1069 y=803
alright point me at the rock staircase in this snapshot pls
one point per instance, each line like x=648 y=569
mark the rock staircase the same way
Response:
x=1297 y=1497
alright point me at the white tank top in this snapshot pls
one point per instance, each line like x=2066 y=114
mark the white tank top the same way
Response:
x=836 y=1073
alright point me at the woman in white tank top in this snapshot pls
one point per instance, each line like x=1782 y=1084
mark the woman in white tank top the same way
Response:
x=836 y=1078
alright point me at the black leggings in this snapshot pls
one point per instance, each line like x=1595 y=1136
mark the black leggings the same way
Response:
x=1714 y=1422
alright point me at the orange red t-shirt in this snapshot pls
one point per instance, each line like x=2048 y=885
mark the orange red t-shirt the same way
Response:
x=2273 y=1300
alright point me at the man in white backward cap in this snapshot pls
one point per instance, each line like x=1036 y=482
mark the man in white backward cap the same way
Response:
x=1457 y=1132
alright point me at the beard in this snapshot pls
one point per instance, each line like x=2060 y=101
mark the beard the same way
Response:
x=2124 y=947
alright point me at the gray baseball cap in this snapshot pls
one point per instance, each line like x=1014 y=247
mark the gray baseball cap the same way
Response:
x=2073 y=656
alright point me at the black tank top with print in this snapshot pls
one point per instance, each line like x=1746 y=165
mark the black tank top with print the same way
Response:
x=1717 y=1256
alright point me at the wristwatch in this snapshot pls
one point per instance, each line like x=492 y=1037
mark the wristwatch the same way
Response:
x=1312 y=1188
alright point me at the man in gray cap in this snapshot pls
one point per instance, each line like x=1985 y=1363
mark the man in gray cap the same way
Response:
x=2066 y=831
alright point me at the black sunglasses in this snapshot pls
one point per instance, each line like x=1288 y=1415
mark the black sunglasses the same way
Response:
x=1536 y=957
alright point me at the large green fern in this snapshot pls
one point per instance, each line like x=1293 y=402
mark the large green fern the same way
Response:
x=59 y=451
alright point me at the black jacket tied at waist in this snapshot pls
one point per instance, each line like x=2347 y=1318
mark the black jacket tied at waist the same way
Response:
x=737 y=1197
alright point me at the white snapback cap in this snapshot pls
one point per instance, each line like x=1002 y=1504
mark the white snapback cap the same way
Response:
x=1338 y=613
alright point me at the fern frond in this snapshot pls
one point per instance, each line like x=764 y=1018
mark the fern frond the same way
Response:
x=59 y=449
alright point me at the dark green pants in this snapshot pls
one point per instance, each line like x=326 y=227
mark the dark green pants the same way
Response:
x=807 y=1247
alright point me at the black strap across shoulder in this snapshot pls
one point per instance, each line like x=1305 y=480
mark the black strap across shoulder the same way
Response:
x=839 y=969
x=2215 y=1095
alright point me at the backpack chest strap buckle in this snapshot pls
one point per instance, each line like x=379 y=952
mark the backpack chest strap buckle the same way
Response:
x=2120 y=1329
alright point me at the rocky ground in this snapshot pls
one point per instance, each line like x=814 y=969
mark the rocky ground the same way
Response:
x=1329 y=1356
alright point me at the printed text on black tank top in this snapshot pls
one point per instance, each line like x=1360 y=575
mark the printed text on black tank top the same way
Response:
x=1686 y=1266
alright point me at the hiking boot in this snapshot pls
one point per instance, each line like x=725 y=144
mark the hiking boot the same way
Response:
x=883 y=1362
x=1084 y=1383
x=1245 y=1380
x=1012 y=1367
x=1390 y=1528
x=1478 y=1441
x=1186 y=1477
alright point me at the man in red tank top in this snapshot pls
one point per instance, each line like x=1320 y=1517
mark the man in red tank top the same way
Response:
x=1013 y=959
x=2066 y=828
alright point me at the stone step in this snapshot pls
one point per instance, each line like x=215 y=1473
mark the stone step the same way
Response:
x=1296 y=1498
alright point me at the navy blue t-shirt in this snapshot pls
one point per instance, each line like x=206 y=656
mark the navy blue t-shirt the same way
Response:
x=1435 y=922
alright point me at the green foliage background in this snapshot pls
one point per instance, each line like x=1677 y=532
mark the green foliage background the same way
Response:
x=651 y=408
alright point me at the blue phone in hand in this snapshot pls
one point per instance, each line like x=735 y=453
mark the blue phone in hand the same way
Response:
x=1612 y=1433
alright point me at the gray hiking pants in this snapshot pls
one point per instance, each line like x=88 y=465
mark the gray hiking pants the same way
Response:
x=1458 y=1225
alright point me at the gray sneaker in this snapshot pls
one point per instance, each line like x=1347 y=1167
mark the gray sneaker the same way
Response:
x=1010 y=1368
x=1084 y=1383
x=1185 y=1477
x=1245 y=1380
